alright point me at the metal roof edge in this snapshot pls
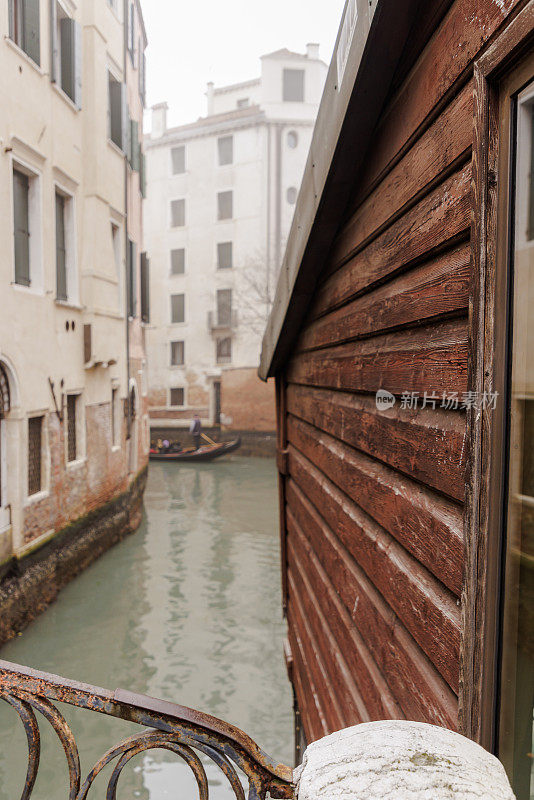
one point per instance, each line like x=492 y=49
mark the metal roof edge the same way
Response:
x=349 y=109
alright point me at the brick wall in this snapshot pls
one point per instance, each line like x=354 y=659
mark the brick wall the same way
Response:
x=247 y=401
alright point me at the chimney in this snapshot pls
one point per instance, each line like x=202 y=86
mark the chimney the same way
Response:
x=209 y=95
x=159 y=120
x=312 y=51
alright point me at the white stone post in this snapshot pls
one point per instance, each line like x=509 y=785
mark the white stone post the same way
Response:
x=400 y=760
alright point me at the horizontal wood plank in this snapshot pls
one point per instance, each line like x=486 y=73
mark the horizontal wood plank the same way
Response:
x=429 y=526
x=416 y=684
x=428 y=611
x=429 y=291
x=427 y=359
x=315 y=725
x=425 y=445
x=446 y=141
x=441 y=216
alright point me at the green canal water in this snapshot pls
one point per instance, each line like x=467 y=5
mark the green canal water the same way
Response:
x=187 y=609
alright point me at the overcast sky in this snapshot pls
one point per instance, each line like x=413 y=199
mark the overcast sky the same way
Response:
x=191 y=42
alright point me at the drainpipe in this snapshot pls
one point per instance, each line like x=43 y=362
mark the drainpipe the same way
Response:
x=278 y=198
x=268 y=248
x=126 y=238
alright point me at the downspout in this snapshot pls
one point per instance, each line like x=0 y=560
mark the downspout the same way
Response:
x=268 y=249
x=126 y=237
x=278 y=197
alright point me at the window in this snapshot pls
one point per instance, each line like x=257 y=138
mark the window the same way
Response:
x=114 y=416
x=292 y=139
x=145 y=288
x=24 y=27
x=142 y=72
x=61 y=249
x=72 y=425
x=224 y=255
x=291 y=195
x=131 y=277
x=243 y=103
x=293 y=85
x=131 y=32
x=178 y=261
x=225 y=205
x=224 y=307
x=177 y=396
x=177 y=354
x=225 y=147
x=116 y=247
x=35 y=454
x=66 y=66
x=224 y=350
x=21 y=208
x=177 y=213
x=178 y=159
x=118 y=124
x=177 y=308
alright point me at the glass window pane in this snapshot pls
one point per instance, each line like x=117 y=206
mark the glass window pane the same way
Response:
x=178 y=261
x=178 y=159
x=224 y=255
x=225 y=146
x=177 y=308
x=225 y=205
x=293 y=85
x=177 y=213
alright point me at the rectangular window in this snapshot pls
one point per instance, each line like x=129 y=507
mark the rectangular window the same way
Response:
x=177 y=308
x=224 y=255
x=66 y=61
x=61 y=249
x=118 y=121
x=178 y=160
x=178 y=261
x=131 y=32
x=35 y=454
x=243 y=102
x=293 y=85
x=114 y=416
x=116 y=247
x=24 y=27
x=225 y=205
x=225 y=146
x=224 y=306
x=177 y=354
x=177 y=396
x=145 y=288
x=72 y=438
x=131 y=276
x=21 y=208
x=177 y=213
x=224 y=350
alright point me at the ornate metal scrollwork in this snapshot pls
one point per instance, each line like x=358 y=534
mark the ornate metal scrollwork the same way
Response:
x=182 y=731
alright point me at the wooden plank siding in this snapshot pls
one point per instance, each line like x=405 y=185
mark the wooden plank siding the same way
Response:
x=373 y=499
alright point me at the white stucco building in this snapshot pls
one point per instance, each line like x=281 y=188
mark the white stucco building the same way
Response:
x=221 y=194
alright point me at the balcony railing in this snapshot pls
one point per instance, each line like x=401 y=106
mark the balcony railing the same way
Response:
x=226 y=321
x=184 y=732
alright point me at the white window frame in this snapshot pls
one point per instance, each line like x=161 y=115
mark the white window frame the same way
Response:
x=35 y=214
x=184 y=404
x=29 y=499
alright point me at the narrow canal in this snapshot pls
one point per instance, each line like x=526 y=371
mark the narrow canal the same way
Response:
x=187 y=609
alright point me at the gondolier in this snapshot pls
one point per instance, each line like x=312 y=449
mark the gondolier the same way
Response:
x=196 y=428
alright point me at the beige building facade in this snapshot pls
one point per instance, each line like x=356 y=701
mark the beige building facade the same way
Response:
x=73 y=274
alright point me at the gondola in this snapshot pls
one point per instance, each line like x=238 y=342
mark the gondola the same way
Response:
x=204 y=453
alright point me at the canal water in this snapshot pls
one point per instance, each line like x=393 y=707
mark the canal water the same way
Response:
x=187 y=609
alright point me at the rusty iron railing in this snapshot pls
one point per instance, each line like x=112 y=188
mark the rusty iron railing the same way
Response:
x=167 y=726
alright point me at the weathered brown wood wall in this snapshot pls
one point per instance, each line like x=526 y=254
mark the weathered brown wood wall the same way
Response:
x=373 y=500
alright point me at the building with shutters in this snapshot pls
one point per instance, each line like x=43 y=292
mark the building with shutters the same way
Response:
x=73 y=283
x=221 y=194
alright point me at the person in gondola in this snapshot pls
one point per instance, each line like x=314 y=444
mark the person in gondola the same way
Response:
x=196 y=428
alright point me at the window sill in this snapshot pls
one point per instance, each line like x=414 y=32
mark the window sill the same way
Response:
x=66 y=99
x=35 y=290
x=176 y=366
x=14 y=46
x=37 y=497
x=115 y=147
x=73 y=465
x=116 y=448
x=68 y=304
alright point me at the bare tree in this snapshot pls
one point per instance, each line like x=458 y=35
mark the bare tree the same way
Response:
x=255 y=293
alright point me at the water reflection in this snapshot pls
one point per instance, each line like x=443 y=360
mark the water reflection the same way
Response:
x=187 y=609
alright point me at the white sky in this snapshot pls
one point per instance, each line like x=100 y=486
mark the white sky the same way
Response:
x=191 y=42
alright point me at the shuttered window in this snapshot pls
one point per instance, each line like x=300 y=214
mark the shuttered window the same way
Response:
x=224 y=306
x=21 y=194
x=225 y=205
x=177 y=213
x=131 y=277
x=178 y=261
x=61 y=251
x=178 y=160
x=293 y=85
x=177 y=396
x=66 y=45
x=225 y=147
x=24 y=27
x=35 y=436
x=145 y=288
x=134 y=154
x=118 y=123
x=72 y=444
x=177 y=308
x=224 y=350
x=177 y=354
x=224 y=255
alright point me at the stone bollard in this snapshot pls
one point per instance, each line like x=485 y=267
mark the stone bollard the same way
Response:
x=400 y=760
